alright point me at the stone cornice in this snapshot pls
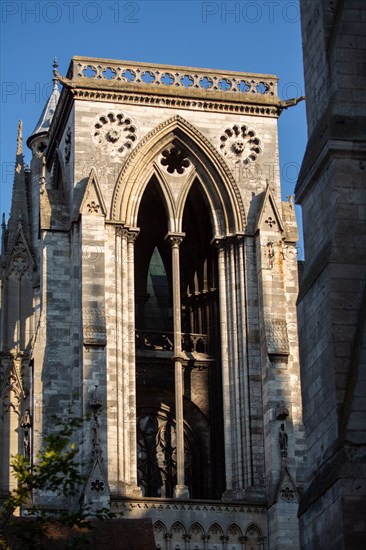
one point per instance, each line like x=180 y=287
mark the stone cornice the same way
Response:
x=174 y=102
x=189 y=505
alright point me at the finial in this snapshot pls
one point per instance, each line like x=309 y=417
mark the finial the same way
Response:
x=290 y=199
x=3 y=221
x=20 y=138
x=55 y=72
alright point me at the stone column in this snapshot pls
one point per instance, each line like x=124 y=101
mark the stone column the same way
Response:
x=168 y=542
x=224 y=541
x=131 y=352
x=205 y=541
x=126 y=392
x=235 y=397
x=180 y=490
x=243 y=360
x=220 y=244
x=186 y=539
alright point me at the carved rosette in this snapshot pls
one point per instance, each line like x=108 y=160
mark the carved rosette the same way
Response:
x=240 y=145
x=116 y=132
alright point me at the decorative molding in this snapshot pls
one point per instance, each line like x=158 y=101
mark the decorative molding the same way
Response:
x=202 y=506
x=94 y=326
x=12 y=390
x=209 y=105
x=276 y=336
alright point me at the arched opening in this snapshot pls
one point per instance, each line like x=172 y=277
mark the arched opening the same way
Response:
x=155 y=382
x=152 y=261
x=201 y=324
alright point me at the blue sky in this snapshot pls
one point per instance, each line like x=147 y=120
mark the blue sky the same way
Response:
x=261 y=36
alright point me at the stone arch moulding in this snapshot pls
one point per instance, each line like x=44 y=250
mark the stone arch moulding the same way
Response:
x=135 y=175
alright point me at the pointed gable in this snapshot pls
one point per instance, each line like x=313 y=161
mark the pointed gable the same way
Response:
x=19 y=257
x=269 y=218
x=93 y=202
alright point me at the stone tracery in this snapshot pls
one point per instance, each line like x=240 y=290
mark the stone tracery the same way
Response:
x=174 y=160
x=116 y=130
x=240 y=144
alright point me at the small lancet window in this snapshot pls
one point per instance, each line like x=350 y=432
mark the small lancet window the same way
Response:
x=158 y=309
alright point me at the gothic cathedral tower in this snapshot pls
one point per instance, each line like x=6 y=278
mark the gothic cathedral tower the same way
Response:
x=149 y=270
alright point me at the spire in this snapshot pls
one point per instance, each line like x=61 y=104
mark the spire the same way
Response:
x=19 y=201
x=46 y=117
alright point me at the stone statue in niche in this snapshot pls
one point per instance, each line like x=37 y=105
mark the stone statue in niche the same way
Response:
x=26 y=424
x=283 y=441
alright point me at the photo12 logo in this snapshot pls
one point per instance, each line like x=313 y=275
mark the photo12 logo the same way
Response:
x=70 y=12
x=250 y=12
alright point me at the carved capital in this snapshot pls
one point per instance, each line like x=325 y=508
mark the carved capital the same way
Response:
x=219 y=242
x=132 y=234
x=175 y=239
x=128 y=233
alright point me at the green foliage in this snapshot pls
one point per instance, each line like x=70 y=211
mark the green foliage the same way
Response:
x=56 y=470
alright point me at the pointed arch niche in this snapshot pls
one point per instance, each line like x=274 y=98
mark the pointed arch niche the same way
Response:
x=200 y=345
x=178 y=365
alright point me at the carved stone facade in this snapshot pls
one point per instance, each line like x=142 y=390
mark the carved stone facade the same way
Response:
x=159 y=276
